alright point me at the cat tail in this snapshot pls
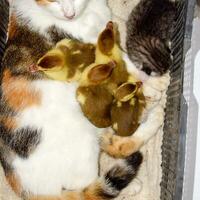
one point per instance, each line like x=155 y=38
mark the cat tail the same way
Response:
x=108 y=186
x=115 y=180
x=151 y=53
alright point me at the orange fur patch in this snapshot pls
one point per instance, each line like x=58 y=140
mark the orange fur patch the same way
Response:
x=120 y=147
x=9 y=122
x=91 y=193
x=71 y=195
x=12 y=27
x=18 y=92
x=44 y=198
x=91 y=196
x=66 y=195
x=44 y=2
x=14 y=182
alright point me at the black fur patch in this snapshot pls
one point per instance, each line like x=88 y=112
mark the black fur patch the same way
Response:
x=22 y=141
x=57 y=34
x=4 y=159
x=119 y=176
x=23 y=50
x=135 y=160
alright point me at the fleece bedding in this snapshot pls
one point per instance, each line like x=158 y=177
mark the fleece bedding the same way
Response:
x=147 y=184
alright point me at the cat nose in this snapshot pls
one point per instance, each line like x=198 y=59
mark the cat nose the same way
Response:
x=68 y=10
x=70 y=16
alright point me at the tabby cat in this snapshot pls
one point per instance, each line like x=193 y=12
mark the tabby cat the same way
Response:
x=149 y=29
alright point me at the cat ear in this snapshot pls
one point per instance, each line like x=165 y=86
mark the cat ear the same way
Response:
x=106 y=39
x=127 y=91
x=51 y=61
x=100 y=73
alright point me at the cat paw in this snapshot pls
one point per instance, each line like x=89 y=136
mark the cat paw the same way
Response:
x=159 y=83
x=119 y=147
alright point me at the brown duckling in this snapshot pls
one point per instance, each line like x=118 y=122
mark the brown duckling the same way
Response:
x=127 y=108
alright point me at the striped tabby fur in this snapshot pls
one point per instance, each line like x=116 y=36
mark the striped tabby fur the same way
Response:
x=149 y=28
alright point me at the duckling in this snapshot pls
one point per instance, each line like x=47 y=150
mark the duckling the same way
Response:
x=127 y=108
x=71 y=57
x=108 y=50
x=122 y=111
x=95 y=99
x=67 y=60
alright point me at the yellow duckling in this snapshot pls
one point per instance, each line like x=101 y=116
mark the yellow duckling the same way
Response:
x=108 y=50
x=72 y=59
x=67 y=60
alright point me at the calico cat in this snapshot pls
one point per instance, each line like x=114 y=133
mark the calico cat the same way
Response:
x=46 y=143
x=149 y=28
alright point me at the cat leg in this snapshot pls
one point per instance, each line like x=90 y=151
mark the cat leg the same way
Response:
x=152 y=99
x=107 y=186
x=117 y=146
x=159 y=83
x=154 y=89
x=120 y=147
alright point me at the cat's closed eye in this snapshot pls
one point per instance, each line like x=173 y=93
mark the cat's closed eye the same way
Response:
x=44 y=2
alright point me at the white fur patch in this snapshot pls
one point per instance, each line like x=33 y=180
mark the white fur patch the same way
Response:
x=67 y=155
x=87 y=26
